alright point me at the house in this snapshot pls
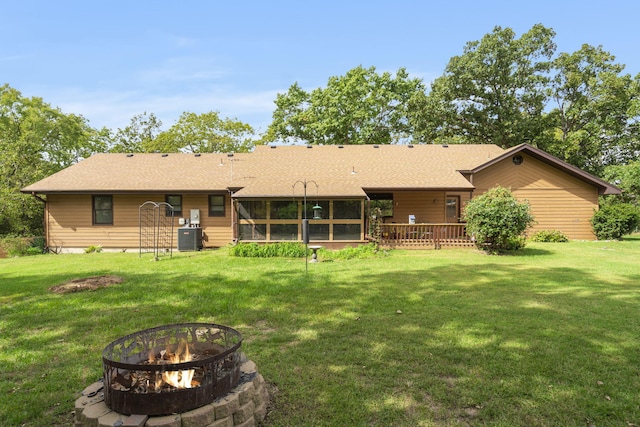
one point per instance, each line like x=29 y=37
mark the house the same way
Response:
x=260 y=196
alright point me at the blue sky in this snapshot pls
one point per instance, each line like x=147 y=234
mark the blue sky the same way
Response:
x=110 y=60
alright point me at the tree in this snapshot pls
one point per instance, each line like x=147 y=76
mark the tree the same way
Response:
x=361 y=107
x=627 y=178
x=594 y=111
x=497 y=220
x=495 y=92
x=204 y=133
x=36 y=140
x=137 y=137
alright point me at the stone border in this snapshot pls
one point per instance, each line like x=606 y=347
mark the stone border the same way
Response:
x=244 y=406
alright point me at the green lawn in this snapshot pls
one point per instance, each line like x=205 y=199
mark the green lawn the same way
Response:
x=548 y=337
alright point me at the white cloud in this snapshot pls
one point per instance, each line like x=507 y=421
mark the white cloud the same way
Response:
x=115 y=109
x=182 y=69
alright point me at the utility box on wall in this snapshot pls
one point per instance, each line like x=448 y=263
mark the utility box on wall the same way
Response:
x=189 y=239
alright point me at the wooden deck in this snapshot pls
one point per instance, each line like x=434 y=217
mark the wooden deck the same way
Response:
x=424 y=236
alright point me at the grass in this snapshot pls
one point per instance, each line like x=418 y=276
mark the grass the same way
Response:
x=547 y=337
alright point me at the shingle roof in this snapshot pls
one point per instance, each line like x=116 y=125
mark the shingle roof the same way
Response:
x=272 y=171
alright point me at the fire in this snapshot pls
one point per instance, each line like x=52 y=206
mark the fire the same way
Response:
x=177 y=379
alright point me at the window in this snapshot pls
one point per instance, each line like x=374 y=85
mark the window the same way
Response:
x=318 y=231
x=284 y=232
x=347 y=209
x=176 y=202
x=252 y=209
x=284 y=209
x=103 y=210
x=216 y=205
x=346 y=232
x=252 y=231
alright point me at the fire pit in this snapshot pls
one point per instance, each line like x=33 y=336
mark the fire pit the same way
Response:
x=171 y=369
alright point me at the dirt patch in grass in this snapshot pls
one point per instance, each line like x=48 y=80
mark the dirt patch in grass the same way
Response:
x=86 y=284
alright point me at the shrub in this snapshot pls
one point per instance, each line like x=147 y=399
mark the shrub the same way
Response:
x=612 y=221
x=497 y=220
x=297 y=250
x=39 y=242
x=93 y=248
x=349 y=252
x=268 y=250
x=16 y=246
x=550 y=236
x=21 y=246
x=33 y=250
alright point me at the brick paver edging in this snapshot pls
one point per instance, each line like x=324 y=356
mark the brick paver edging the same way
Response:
x=244 y=406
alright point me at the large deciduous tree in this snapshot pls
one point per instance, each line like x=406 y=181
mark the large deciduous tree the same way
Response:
x=36 y=140
x=137 y=137
x=595 y=113
x=361 y=107
x=205 y=133
x=495 y=92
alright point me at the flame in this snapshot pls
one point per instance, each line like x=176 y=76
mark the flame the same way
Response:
x=177 y=379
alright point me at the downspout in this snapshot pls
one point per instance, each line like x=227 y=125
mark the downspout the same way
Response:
x=234 y=221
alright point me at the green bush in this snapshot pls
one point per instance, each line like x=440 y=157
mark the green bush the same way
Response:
x=268 y=250
x=297 y=250
x=22 y=246
x=93 y=248
x=349 y=252
x=39 y=242
x=33 y=250
x=549 y=236
x=16 y=246
x=612 y=221
x=497 y=220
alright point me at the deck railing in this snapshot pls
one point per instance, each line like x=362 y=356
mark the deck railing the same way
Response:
x=424 y=235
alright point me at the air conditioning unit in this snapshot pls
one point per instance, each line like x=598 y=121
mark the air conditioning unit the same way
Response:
x=189 y=239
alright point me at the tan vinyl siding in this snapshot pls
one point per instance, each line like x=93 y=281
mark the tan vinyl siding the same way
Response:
x=558 y=201
x=576 y=210
x=427 y=206
x=69 y=219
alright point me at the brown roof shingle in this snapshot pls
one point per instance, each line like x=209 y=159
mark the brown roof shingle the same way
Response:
x=272 y=171
x=338 y=170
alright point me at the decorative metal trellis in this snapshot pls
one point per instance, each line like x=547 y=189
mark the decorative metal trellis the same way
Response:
x=156 y=228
